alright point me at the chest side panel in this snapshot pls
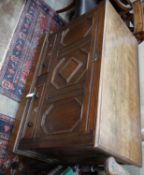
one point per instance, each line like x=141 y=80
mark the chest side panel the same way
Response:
x=118 y=130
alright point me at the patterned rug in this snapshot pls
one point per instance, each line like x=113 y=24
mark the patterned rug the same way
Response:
x=37 y=17
x=6 y=125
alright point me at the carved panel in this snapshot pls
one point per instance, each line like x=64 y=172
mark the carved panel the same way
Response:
x=70 y=69
x=61 y=106
x=62 y=116
x=62 y=103
x=76 y=32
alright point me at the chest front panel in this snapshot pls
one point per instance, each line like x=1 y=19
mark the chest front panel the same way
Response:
x=63 y=80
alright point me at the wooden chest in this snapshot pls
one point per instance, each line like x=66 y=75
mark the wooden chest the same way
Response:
x=83 y=103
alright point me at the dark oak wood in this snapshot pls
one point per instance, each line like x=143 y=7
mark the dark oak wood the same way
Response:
x=84 y=105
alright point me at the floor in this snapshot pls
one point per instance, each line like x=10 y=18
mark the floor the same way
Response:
x=6 y=30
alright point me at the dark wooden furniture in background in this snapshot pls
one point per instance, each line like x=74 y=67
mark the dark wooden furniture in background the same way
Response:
x=132 y=12
x=83 y=103
x=138 y=8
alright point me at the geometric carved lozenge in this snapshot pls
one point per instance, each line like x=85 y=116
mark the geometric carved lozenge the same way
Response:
x=68 y=112
x=70 y=69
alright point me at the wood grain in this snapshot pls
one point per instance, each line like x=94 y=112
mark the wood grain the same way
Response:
x=119 y=117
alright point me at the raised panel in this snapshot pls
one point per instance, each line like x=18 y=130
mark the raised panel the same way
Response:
x=61 y=116
x=62 y=103
x=68 y=72
x=69 y=69
x=76 y=32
